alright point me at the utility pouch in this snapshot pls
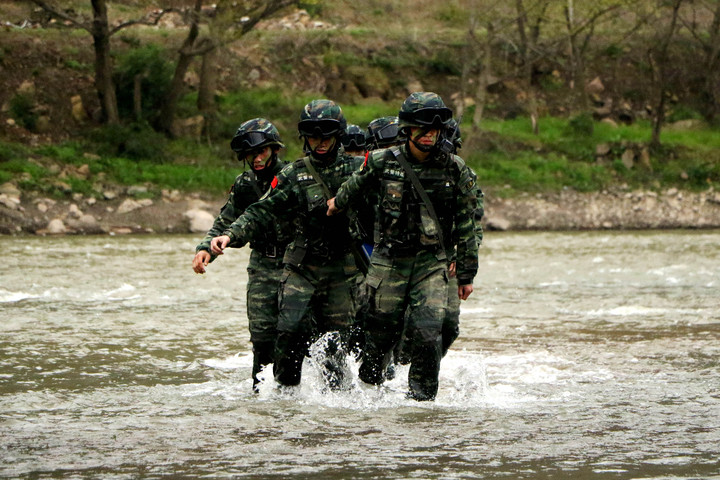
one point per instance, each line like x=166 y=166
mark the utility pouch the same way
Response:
x=427 y=224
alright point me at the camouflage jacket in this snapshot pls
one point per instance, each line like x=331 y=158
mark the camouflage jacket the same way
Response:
x=244 y=192
x=295 y=197
x=403 y=225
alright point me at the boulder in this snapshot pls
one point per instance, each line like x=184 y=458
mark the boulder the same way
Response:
x=55 y=227
x=595 y=86
x=497 y=223
x=200 y=220
x=128 y=205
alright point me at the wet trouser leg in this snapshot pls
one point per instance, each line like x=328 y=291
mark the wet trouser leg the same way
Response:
x=263 y=353
x=323 y=290
x=419 y=285
x=451 y=324
x=334 y=310
x=262 y=308
x=291 y=344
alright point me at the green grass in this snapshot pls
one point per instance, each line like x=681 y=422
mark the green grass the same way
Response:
x=506 y=155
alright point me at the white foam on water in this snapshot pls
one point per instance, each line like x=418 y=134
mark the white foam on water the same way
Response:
x=123 y=292
x=468 y=379
x=628 y=311
x=7 y=296
x=239 y=360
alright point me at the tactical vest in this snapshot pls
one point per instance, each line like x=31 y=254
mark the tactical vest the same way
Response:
x=248 y=190
x=404 y=223
x=316 y=233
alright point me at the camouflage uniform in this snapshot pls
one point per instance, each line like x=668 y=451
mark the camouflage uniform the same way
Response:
x=265 y=264
x=319 y=266
x=451 y=324
x=408 y=266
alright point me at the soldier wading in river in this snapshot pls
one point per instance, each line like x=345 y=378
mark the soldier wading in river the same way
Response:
x=256 y=143
x=426 y=206
x=319 y=271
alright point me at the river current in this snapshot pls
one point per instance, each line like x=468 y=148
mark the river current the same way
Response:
x=581 y=355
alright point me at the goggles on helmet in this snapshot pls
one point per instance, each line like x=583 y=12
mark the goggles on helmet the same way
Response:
x=354 y=142
x=428 y=116
x=247 y=141
x=319 y=128
x=387 y=132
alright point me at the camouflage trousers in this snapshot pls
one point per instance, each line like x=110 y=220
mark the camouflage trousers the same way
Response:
x=262 y=308
x=315 y=298
x=450 y=328
x=451 y=323
x=418 y=286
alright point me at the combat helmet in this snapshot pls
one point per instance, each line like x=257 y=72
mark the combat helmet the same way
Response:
x=322 y=119
x=353 y=139
x=254 y=135
x=424 y=109
x=383 y=132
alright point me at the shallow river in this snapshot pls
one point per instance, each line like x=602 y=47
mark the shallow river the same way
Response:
x=581 y=355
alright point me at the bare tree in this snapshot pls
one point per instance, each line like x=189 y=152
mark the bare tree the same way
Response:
x=101 y=31
x=529 y=20
x=659 y=59
x=580 y=31
x=477 y=63
x=230 y=20
x=709 y=41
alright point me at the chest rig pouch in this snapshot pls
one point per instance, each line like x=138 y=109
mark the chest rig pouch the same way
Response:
x=429 y=222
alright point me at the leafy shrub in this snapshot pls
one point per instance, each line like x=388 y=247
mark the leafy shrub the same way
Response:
x=135 y=141
x=155 y=74
x=22 y=109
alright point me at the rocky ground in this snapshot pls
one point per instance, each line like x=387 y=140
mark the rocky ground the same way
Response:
x=125 y=212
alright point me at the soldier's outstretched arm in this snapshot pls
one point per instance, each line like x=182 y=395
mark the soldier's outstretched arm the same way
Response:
x=278 y=204
x=361 y=180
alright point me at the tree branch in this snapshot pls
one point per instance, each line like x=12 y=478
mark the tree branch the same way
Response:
x=85 y=24
x=151 y=18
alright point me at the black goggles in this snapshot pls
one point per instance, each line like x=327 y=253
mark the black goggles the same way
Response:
x=355 y=141
x=319 y=128
x=247 y=141
x=387 y=132
x=430 y=116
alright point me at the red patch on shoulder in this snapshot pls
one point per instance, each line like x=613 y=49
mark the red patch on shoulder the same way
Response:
x=274 y=182
x=367 y=154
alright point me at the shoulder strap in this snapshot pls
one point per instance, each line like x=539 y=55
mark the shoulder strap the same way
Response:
x=254 y=183
x=362 y=261
x=326 y=191
x=421 y=192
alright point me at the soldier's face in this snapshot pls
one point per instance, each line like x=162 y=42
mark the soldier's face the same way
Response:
x=321 y=145
x=424 y=137
x=259 y=159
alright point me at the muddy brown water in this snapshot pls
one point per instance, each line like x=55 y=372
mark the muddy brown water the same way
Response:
x=581 y=355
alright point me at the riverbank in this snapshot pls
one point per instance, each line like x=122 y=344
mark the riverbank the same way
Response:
x=130 y=211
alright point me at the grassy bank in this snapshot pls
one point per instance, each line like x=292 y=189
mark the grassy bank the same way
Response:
x=506 y=155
